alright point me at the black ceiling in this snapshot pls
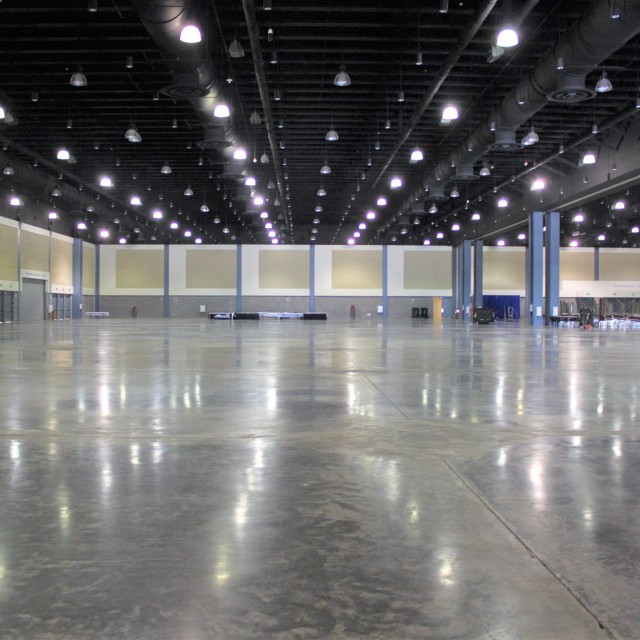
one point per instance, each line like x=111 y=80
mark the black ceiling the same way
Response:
x=302 y=46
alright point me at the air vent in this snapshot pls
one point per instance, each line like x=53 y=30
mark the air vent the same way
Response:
x=214 y=139
x=185 y=86
x=570 y=89
x=505 y=140
x=464 y=173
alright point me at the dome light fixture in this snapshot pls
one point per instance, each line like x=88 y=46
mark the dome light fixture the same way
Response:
x=342 y=78
x=321 y=192
x=426 y=242
x=190 y=33
x=240 y=154
x=439 y=235
x=449 y=113
x=604 y=84
x=174 y=225
x=14 y=201
x=371 y=215
x=157 y=214
x=235 y=49
x=318 y=209
x=501 y=243
x=530 y=138
x=332 y=135
x=187 y=233
x=416 y=156
x=135 y=201
x=454 y=192
x=351 y=241
x=63 y=154
x=503 y=203
x=433 y=208
x=395 y=183
x=475 y=216
x=204 y=207
x=507 y=37
x=105 y=181
x=538 y=184
x=381 y=201
x=455 y=227
x=249 y=181
x=221 y=110
x=485 y=171
x=78 y=79
x=264 y=158
x=166 y=169
x=325 y=169
x=132 y=134
x=589 y=157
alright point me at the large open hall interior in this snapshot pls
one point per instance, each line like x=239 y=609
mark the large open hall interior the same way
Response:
x=319 y=320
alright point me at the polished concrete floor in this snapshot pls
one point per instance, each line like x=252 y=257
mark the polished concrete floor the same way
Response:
x=292 y=480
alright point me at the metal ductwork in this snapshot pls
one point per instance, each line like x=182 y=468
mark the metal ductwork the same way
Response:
x=194 y=74
x=592 y=39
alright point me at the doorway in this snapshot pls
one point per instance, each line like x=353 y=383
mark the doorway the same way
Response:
x=32 y=299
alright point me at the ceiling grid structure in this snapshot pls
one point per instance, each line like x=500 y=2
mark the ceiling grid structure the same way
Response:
x=405 y=62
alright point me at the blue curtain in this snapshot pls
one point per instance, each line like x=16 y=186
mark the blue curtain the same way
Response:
x=504 y=307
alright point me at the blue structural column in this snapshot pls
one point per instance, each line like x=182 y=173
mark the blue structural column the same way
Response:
x=238 y=277
x=165 y=297
x=312 y=277
x=478 y=283
x=466 y=278
x=97 y=296
x=552 y=265
x=596 y=263
x=534 y=282
x=76 y=301
x=385 y=283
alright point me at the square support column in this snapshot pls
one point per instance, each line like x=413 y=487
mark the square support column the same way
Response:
x=385 y=281
x=466 y=278
x=478 y=274
x=312 y=277
x=238 y=277
x=165 y=297
x=552 y=265
x=455 y=277
x=76 y=300
x=534 y=280
x=97 y=296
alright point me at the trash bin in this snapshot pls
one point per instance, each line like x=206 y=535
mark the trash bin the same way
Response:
x=424 y=312
x=415 y=312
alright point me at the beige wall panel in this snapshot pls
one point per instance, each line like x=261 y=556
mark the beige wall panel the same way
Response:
x=211 y=269
x=503 y=270
x=576 y=265
x=356 y=269
x=8 y=253
x=623 y=265
x=139 y=269
x=88 y=267
x=61 y=263
x=34 y=251
x=284 y=269
x=427 y=270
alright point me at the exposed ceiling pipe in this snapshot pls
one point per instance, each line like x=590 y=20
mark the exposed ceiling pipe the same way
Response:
x=195 y=77
x=256 y=51
x=465 y=38
x=592 y=39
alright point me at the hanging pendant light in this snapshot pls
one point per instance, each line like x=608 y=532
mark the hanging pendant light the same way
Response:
x=325 y=169
x=78 y=79
x=221 y=110
x=264 y=158
x=332 y=135
x=166 y=169
x=342 y=78
x=604 y=84
x=191 y=33
x=321 y=192
x=132 y=134
x=188 y=192
x=235 y=49
x=416 y=156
